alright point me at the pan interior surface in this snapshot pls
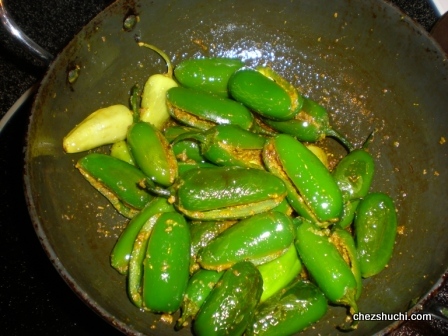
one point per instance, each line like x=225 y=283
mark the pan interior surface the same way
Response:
x=368 y=65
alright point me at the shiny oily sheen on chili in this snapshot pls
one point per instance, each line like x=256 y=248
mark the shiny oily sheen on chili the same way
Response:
x=211 y=188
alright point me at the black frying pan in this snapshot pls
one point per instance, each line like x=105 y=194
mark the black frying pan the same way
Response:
x=369 y=65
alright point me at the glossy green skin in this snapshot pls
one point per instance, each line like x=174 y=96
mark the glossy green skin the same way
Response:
x=152 y=153
x=118 y=178
x=222 y=187
x=187 y=151
x=326 y=265
x=229 y=308
x=311 y=124
x=312 y=191
x=259 y=239
x=297 y=307
x=348 y=214
x=228 y=145
x=199 y=287
x=135 y=268
x=207 y=74
x=262 y=95
x=202 y=110
x=202 y=232
x=354 y=174
x=166 y=264
x=122 y=250
x=295 y=97
x=279 y=272
x=227 y=192
x=345 y=243
x=375 y=231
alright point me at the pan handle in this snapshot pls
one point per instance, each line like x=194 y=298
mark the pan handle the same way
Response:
x=21 y=37
x=440 y=6
x=440 y=30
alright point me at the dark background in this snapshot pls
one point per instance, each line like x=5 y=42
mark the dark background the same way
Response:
x=33 y=297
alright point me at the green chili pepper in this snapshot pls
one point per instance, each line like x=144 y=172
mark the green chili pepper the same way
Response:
x=326 y=266
x=229 y=145
x=312 y=191
x=297 y=307
x=202 y=110
x=122 y=250
x=375 y=231
x=207 y=74
x=279 y=272
x=116 y=180
x=345 y=244
x=120 y=150
x=265 y=93
x=102 y=127
x=152 y=153
x=354 y=176
x=166 y=264
x=311 y=124
x=199 y=287
x=221 y=193
x=135 y=265
x=215 y=188
x=153 y=102
x=229 y=307
x=202 y=233
x=259 y=239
